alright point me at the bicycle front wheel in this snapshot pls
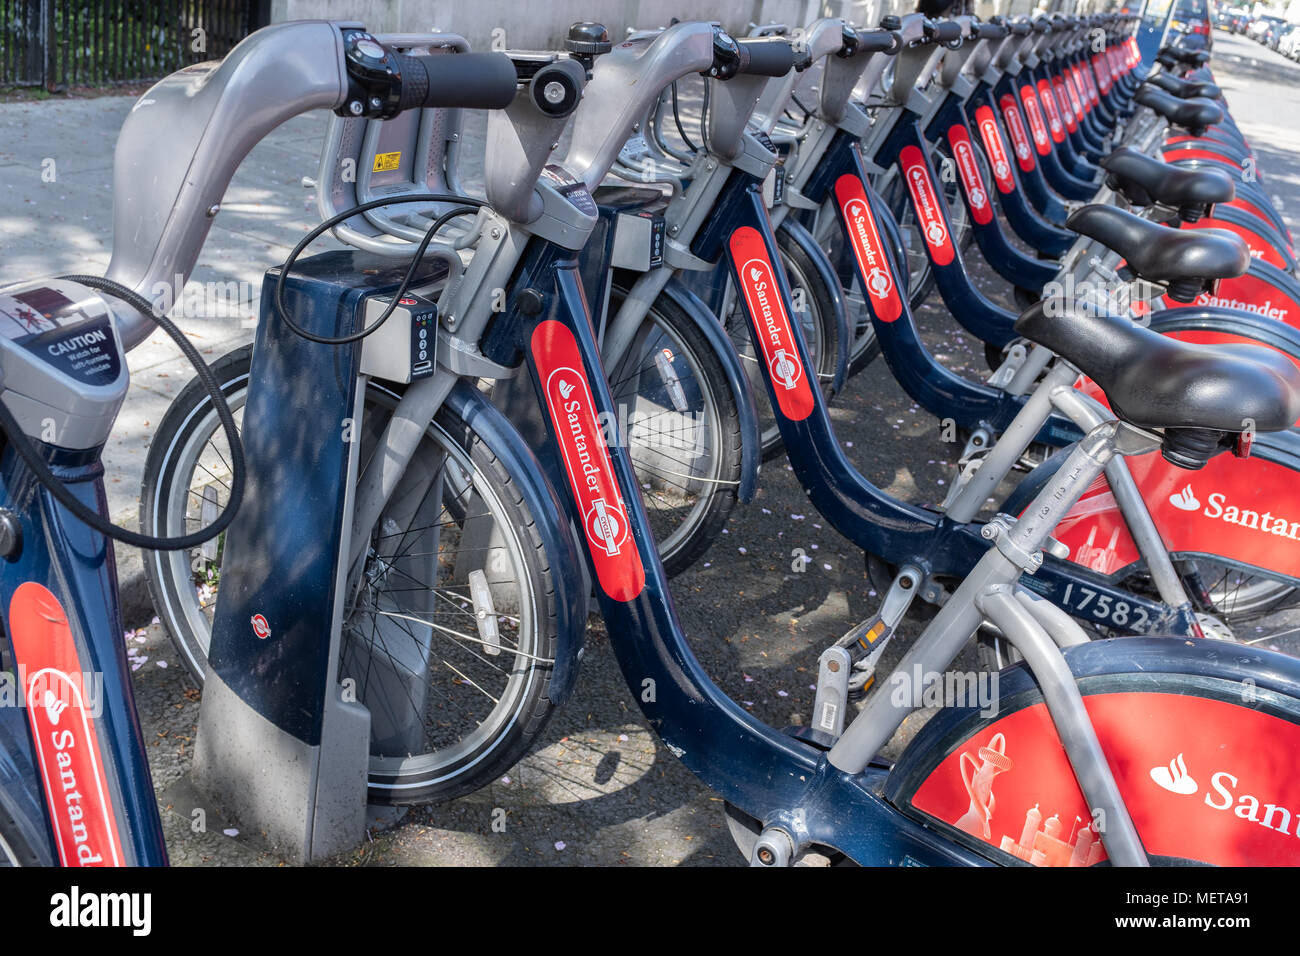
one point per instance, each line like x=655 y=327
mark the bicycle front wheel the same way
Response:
x=449 y=631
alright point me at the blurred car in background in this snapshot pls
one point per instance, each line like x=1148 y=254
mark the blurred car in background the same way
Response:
x=1192 y=19
x=1289 y=45
x=1263 y=28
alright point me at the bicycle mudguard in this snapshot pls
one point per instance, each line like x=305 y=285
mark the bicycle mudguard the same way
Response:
x=1262 y=240
x=751 y=456
x=804 y=239
x=1207 y=779
x=1264 y=290
x=1227 y=511
x=491 y=425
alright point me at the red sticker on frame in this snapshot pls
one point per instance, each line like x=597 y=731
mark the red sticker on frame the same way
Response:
x=1048 y=101
x=1016 y=130
x=873 y=265
x=70 y=761
x=995 y=148
x=977 y=197
x=1036 y=126
x=1067 y=108
x=771 y=321
x=586 y=461
x=925 y=201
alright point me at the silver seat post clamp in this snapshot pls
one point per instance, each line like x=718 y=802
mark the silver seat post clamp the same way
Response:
x=996 y=531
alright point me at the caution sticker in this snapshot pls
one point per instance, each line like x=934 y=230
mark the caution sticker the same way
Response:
x=387 y=162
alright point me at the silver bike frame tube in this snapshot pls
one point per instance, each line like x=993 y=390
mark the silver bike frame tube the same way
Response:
x=1088 y=414
x=1017 y=437
x=1073 y=726
x=959 y=618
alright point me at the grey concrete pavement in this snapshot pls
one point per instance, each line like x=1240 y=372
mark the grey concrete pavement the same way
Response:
x=600 y=789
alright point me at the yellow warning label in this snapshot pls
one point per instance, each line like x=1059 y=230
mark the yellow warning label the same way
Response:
x=387 y=162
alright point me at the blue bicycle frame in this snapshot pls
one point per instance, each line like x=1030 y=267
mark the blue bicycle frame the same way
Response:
x=111 y=817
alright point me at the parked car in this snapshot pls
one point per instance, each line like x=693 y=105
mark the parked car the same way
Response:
x=1289 y=45
x=1263 y=27
x=1192 y=19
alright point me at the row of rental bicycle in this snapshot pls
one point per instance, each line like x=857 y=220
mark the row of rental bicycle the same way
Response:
x=376 y=534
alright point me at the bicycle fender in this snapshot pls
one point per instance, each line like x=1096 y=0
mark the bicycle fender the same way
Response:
x=737 y=381
x=992 y=775
x=490 y=424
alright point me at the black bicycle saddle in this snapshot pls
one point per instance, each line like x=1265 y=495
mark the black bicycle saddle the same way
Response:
x=1195 y=114
x=1182 y=259
x=1195 y=394
x=1169 y=56
x=1185 y=89
x=1146 y=180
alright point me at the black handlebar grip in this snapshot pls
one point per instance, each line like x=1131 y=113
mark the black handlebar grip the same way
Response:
x=1021 y=27
x=877 y=41
x=483 y=81
x=763 y=56
x=946 y=32
x=990 y=31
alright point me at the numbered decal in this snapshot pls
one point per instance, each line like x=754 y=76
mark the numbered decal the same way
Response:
x=977 y=197
x=995 y=149
x=873 y=266
x=1037 y=128
x=63 y=728
x=586 y=461
x=1016 y=130
x=771 y=321
x=926 y=202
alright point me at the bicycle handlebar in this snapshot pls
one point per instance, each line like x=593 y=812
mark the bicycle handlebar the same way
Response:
x=765 y=56
x=944 y=32
x=485 y=81
x=211 y=115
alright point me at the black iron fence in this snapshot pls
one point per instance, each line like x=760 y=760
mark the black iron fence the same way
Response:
x=55 y=43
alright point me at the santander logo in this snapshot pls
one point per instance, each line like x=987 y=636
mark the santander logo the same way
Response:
x=770 y=322
x=1184 y=500
x=993 y=145
x=926 y=203
x=1222 y=795
x=1016 y=129
x=1174 y=777
x=971 y=180
x=67 y=749
x=873 y=268
x=1218 y=508
x=1265 y=308
x=605 y=522
x=587 y=464
x=1036 y=127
